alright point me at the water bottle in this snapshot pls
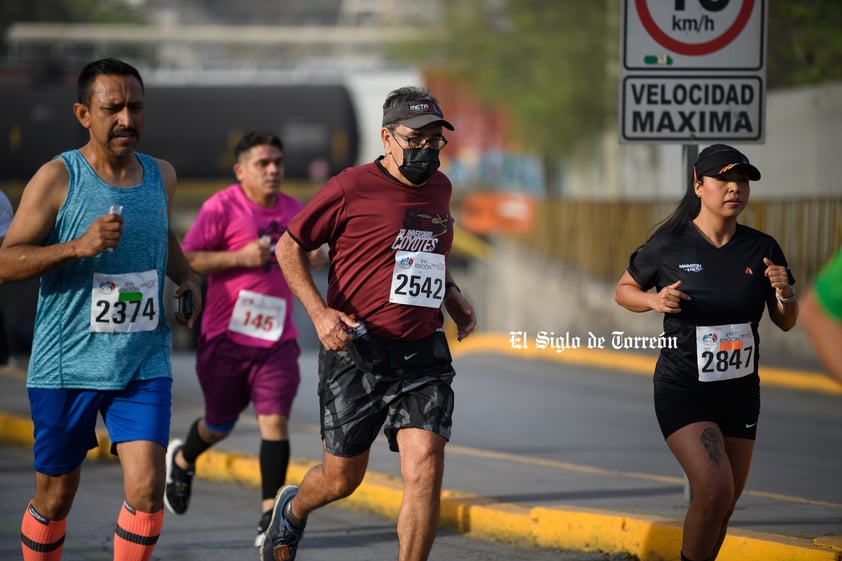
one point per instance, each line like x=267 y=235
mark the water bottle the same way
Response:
x=118 y=210
x=363 y=348
x=359 y=332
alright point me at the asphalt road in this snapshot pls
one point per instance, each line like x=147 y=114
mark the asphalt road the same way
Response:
x=606 y=419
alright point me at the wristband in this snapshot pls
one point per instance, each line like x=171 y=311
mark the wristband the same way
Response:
x=783 y=300
x=451 y=284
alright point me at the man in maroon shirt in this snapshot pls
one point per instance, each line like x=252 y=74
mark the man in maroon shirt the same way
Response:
x=384 y=359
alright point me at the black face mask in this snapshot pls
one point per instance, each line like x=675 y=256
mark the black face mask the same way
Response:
x=419 y=164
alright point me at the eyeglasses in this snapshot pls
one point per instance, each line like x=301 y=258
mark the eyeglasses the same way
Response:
x=434 y=142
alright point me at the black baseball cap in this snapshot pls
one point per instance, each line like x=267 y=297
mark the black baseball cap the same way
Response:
x=415 y=114
x=721 y=158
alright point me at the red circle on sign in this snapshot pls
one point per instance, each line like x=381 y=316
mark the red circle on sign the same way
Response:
x=694 y=49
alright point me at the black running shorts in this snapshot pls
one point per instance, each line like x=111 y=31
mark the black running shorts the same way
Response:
x=355 y=404
x=735 y=412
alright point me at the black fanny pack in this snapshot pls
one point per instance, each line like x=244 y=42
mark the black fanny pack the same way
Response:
x=380 y=356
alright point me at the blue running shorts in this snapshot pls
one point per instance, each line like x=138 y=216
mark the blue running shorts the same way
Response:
x=65 y=420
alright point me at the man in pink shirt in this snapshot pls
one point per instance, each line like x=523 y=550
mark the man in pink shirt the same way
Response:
x=247 y=349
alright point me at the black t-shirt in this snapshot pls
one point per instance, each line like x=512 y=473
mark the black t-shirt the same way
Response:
x=726 y=285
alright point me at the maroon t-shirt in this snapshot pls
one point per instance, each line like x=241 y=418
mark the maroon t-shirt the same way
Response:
x=366 y=216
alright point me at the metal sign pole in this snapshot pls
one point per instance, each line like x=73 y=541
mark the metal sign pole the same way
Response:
x=689 y=152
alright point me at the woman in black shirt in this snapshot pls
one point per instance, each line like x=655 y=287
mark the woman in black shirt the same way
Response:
x=712 y=279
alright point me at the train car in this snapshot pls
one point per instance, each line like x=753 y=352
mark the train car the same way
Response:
x=195 y=127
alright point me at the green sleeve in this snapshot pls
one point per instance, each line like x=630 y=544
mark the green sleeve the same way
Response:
x=828 y=287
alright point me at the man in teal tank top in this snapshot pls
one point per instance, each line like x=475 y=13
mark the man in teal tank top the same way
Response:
x=94 y=224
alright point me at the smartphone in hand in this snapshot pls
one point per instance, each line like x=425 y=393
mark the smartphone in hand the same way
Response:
x=185 y=304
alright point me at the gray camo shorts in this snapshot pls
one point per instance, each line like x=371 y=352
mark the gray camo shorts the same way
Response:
x=355 y=404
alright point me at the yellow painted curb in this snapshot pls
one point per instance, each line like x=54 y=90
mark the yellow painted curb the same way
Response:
x=648 y=538
x=12 y=372
x=16 y=430
x=592 y=530
x=483 y=518
x=744 y=545
x=215 y=465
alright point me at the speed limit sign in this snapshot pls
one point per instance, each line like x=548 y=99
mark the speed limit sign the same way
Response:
x=692 y=70
x=669 y=35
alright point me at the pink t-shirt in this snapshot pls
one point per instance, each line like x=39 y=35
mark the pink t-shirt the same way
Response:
x=250 y=304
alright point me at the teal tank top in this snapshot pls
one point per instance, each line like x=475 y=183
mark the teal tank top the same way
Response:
x=99 y=323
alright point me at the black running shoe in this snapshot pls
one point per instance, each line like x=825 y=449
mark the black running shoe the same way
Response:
x=281 y=539
x=261 y=527
x=177 y=495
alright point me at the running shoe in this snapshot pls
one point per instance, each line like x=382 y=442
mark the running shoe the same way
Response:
x=281 y=539
x=179 y=481
x=261 y=527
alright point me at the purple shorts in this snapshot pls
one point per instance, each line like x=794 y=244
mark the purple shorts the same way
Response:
x=232 y=375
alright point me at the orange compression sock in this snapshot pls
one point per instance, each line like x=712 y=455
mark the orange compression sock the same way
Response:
x=136 y=534
x=41 y=539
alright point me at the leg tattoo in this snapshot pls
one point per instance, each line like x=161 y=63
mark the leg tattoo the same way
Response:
x=710 y=440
